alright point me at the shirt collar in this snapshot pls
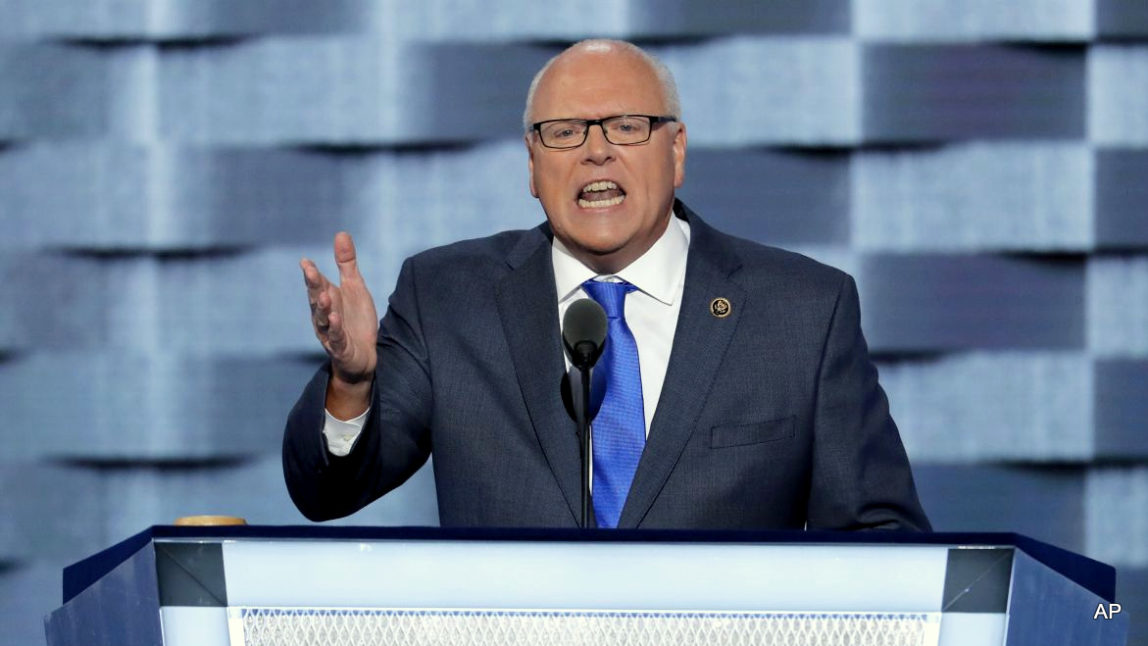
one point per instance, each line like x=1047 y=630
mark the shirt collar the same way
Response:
x=659 y=272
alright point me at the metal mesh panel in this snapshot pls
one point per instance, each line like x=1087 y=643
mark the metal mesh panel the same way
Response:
x=337 y=627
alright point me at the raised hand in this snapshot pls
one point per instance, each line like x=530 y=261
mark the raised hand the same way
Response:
x=347 y=325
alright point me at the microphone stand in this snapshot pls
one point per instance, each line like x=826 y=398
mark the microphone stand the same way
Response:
x=584 y=330
x=584 y=435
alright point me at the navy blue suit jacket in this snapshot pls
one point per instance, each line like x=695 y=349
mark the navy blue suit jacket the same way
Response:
x=769 y=418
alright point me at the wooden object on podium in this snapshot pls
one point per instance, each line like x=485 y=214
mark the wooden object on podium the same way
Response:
x=208 y=521
x=282 y=586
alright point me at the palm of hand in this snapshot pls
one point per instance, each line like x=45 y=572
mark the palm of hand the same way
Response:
x=343 y=316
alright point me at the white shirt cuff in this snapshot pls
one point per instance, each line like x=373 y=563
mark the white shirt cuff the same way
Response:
x=340 y=434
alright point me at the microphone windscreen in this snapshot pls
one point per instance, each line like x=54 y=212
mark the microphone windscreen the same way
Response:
x=585 y=320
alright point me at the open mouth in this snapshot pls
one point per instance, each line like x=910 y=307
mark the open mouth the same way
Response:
x=601 y=194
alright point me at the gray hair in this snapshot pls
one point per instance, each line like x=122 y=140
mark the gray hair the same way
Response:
x=663 y=74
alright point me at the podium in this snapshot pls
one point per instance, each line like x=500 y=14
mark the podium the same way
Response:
x=256 y=586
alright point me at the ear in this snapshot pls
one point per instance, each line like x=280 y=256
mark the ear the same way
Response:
x=530 y=162
x=680 y=156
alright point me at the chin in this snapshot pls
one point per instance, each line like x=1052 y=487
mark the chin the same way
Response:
x=600 y=243
x=599 y=250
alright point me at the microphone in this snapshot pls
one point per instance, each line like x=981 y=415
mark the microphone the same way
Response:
x=584 y=334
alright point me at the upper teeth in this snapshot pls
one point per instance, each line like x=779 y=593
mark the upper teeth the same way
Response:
x=603 y=185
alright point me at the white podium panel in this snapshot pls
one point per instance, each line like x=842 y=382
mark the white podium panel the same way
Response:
x=588 y=575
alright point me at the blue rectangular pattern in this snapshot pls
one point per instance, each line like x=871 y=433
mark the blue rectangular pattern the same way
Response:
x=774 y=197
x=1121 y=18
x=926 y=93
x=978 y=165
x=1045 y=504
x=1121 y=193
x=1122 y=409
x=921 y=303
x=698 y=18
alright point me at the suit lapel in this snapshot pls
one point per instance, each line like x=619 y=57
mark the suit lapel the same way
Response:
x=700 y=342
x=527 y=306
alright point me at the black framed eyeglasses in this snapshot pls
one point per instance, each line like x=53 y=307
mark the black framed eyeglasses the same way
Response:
x=621 y=130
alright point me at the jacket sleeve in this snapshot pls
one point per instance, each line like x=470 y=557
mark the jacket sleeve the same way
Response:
x=861 y=477
x=395 y=440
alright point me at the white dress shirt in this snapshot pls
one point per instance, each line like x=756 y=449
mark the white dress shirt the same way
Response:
x=651 y=312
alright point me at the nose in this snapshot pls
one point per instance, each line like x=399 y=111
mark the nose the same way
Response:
x=598 y=150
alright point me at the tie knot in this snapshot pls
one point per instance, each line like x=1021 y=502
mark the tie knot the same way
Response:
x=611 y=296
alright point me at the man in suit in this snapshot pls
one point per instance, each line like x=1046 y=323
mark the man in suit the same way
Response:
x=747 y=397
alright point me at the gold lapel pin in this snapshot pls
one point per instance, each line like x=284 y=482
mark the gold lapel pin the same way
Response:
x=720 y=307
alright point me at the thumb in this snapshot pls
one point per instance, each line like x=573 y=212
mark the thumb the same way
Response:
x=345 y=255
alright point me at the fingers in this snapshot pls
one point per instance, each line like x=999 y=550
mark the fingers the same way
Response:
x=314 y=279
x=321 y=297
x=317 y=284
x=328 y=323
x=321 y=311
x=336 y=338
x=345 y=256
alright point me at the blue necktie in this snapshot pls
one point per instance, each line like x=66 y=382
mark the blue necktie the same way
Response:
x=619 y=429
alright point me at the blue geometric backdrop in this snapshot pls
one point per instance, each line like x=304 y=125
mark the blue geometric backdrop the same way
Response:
x=980 y=166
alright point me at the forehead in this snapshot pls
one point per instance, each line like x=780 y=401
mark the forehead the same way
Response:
x=598 y=84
